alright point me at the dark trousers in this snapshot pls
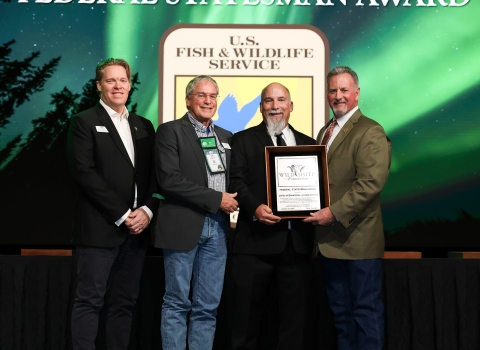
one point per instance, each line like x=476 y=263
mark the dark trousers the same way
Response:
x=112 y=274
x=354 y=290
x=253 y=277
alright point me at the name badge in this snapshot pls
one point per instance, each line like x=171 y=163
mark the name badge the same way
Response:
x=212 y=155
x=101 y=129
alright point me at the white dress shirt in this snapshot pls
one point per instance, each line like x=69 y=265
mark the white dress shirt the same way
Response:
x=287 y=136
x=340 y=123
x=123 y=128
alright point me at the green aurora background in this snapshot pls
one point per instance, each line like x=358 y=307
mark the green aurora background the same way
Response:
x=418 y=67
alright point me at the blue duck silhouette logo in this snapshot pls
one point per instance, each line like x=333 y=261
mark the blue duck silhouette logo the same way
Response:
x=232 y=119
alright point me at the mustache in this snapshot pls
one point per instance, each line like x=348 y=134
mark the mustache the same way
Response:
x=275 y=111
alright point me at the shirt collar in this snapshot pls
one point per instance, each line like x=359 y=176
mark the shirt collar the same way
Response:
x=114 y=114
x=342 y=120
x=199 y=126
x=286 y=131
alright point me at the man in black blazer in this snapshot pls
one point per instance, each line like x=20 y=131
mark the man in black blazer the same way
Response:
x=192 y=158
x=267 y=249
x=110 y=153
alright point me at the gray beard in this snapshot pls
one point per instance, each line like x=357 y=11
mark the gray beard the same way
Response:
x=275 y=127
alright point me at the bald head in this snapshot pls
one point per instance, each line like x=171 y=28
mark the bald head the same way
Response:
x=275 y=107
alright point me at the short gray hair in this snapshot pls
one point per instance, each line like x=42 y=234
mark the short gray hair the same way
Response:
x=192 y=83
x=341 y=70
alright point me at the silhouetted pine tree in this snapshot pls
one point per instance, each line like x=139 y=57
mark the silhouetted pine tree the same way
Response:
x=20 y=79
x=47 y=129
x=133 y=87
x=9 y=148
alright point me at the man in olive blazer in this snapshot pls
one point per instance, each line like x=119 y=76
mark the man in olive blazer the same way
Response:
x=355 y=190
x=349 y=233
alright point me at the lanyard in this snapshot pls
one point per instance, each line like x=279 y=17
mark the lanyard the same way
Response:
x=212 y=155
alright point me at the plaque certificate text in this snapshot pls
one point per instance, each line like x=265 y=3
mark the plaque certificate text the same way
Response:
x=297 y=180
x=297 y=183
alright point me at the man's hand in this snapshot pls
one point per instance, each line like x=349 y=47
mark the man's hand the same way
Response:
x=323 y=217
x=265 y=216
x=137 y=221
x=229 y=204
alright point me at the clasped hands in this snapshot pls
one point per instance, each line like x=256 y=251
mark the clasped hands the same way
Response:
x=137 y=221
x=229 y=204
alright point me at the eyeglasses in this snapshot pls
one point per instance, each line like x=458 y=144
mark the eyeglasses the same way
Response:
x=203 y=96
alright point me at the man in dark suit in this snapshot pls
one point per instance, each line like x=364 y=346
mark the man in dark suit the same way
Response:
x=192 y=158
x=349 y=233
x=267 y=249
x=110 y=153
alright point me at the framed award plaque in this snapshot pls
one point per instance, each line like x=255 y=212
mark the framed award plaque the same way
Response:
x=297 y=180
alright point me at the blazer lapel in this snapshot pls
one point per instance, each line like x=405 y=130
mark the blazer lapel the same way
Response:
x=265 y=139
x=223 y=138
x=320 y=133
x=296 y=134
x=192 y=138
x=135 y=127
x=262 y=134
x=342 y=134
x=112 y=131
